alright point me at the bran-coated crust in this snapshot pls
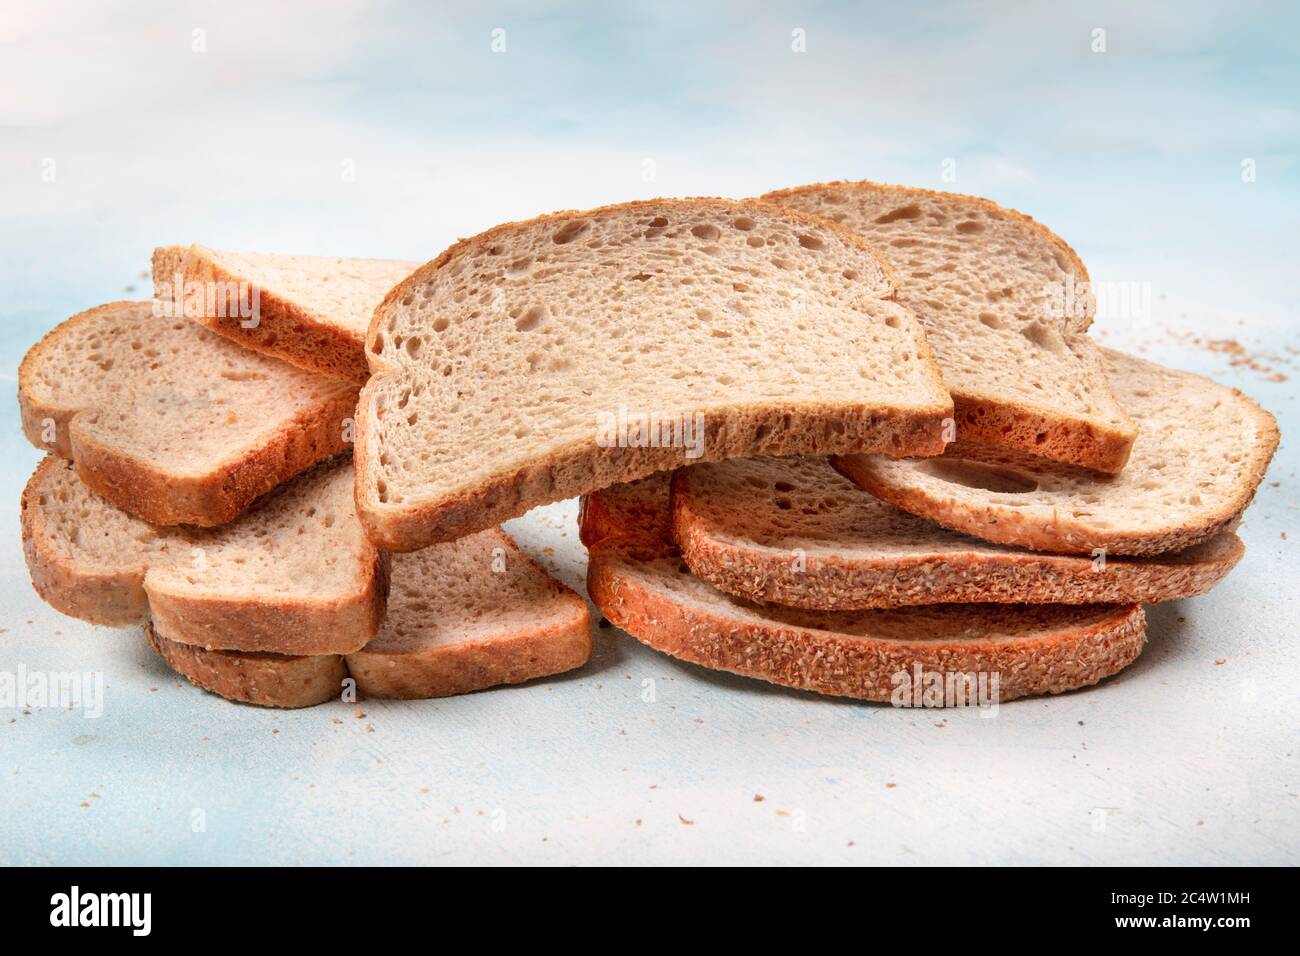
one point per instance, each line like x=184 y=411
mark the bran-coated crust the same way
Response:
x=713 y=635
x=833 y=582
x=268 y=680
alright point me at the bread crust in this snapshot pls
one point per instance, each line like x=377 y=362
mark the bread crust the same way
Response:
x=285 y=329
x=1068 y=533
x=853 y=666
x=1035 y=429
x=779 y=646
x=139 y=486
x=268 y=680
x=579 y=468
x=981 y=575
x=112 y=596
x=135 y=594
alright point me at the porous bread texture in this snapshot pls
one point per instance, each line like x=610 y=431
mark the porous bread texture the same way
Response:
x=1005 y=304
x=295 y=575
x=313 y=311
x=794 y=531
x=462 y=616
x=170 y=422
x=644 y=587
x=506 y=369
x=1203 y=451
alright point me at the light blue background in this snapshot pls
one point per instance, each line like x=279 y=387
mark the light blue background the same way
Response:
x=1134 y=155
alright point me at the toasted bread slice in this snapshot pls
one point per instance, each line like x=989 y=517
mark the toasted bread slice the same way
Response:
x=310 y=311
x=1004 y=303
x=462 y=616
x=296 y=575
x=170 y=422
x=548 y=358
x=1204 y=450
x=641 y=584
x=794 y=531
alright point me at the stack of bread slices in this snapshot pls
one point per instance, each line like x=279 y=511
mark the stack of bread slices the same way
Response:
x=839 y=438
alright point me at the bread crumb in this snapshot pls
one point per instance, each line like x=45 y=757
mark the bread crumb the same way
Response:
x=1220 y=660
x=685 y=822
x=759 y=798
x=890 y=786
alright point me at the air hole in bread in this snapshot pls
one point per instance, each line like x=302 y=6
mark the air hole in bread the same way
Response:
x=991 y=320
x=975 y=474
x=905 y=212
x=571 y=230
x=706 y=231
x=743 y=223
x=531 y=319
x=1045 y=337
x=812 y=242
x=970 y=227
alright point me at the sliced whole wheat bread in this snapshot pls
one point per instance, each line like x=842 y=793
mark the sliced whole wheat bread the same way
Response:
x=641 y=584
x=271 y=680
x=295 y=575
x=170 y=422
x=507 y=370
x=462 y=616
x=1203 y=451
x=794 y=531
x=312 y=311
x=1005 y=304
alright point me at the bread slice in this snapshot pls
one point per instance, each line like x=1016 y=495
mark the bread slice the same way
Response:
x=793 y=531
x=462 y=616
x=311 y=311
x=1203 y=452
x=641 y=584
x=1004 y=303
x=170 y=422
x=295 y=575
x=271 y=680
x=513 y=369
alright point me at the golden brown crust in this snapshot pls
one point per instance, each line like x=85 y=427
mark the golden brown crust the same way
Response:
x=338 y=625
x=114 y=597
x=284 y=329
x=132 y=594
x=468 y=666
x=849 y=665
x=1066 y=533
x=1045 y=432
x=139 y=486
x=786 y=430
x=268 y=680
x=981 y=575
x=735 y=432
